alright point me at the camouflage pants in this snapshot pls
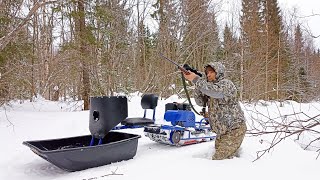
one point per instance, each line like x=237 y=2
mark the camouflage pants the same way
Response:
x=226 y=145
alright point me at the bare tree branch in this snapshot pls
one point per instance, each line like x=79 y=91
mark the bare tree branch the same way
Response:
x=285 y=129
x=308 y=29
x=10 y=36
x=307 y=16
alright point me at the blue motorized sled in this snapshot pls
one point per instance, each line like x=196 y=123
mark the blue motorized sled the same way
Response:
x=100 y=148
x=183 y=128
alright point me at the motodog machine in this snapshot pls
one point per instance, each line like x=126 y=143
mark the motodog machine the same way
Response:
x=184 y=128
x=101 y=147
x=181 y=129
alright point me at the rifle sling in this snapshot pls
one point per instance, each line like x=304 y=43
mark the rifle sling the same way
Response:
x=187 y=94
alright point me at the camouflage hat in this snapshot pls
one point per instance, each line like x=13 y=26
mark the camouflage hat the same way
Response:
x=219 y=68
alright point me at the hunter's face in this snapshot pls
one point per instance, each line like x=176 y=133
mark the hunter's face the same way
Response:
x=210 y=73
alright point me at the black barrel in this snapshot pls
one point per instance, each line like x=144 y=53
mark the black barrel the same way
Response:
x=105 y=113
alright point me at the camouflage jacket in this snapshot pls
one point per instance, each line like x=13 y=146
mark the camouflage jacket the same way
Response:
x=224 y=109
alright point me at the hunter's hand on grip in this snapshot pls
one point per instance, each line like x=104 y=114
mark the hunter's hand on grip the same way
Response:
x=190 y=76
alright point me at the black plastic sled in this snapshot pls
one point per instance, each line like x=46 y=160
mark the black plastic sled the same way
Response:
x=101 y=147
x=75 y=153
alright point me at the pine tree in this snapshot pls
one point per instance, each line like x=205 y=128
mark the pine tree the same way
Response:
x=15 y=56
x=297 y=65
x=274 y=48
x=264 y=49
x=107 y=42
x=231 y=55
x=201 y=41
x=251 y=53
x=170 y=39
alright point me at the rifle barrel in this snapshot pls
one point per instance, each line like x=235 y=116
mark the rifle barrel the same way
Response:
x=179 y=66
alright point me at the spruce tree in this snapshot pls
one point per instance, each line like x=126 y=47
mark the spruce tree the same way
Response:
x=200 y=42
x=231 y=55
x=273 y=48
x=251 y=53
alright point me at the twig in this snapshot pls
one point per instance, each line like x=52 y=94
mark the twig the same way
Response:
x=289 y=129
x=10 y=123
x=307 y=16
x=112 y=173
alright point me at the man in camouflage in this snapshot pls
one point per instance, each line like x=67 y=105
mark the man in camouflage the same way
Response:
x=225 y=115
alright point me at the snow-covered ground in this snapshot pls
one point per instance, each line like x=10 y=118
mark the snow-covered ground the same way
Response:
x=25 y=121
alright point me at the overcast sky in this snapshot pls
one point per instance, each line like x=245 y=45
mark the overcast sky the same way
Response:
x=232 y=8
x=306 y=8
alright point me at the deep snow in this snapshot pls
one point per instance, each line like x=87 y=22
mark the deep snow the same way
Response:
x=42 y=119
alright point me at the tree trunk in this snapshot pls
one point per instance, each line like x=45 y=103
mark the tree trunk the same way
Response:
x=83 y=53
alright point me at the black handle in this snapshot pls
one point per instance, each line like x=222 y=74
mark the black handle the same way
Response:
x=95 y=115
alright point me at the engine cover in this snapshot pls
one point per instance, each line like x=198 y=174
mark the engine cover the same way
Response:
x=180 y=117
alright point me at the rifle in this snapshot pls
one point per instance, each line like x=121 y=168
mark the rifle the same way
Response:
x=185 y=68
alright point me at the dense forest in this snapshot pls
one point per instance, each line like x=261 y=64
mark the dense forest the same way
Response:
x=62 y=49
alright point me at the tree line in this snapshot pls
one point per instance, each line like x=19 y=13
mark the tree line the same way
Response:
x=81 y=48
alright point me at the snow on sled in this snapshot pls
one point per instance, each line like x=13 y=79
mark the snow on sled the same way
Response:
x=184 y=130
x=101 y=147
